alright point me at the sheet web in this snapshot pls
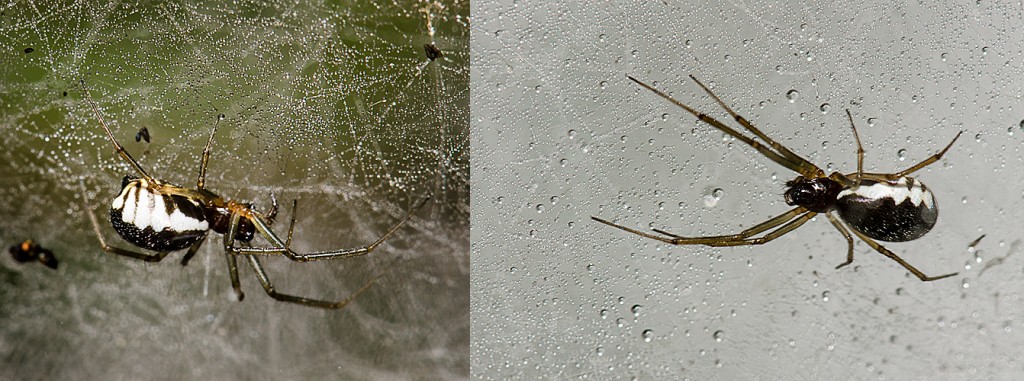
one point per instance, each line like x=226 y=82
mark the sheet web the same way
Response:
x=336 y=105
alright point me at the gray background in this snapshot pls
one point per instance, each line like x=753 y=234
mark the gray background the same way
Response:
x=333 y=104
x=560 y=135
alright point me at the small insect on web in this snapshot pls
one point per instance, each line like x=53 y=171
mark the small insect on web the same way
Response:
x=162 y=217
x=891 y=207
x=30 y=251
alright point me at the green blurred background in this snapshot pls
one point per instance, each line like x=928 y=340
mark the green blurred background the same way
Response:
x=333 y=104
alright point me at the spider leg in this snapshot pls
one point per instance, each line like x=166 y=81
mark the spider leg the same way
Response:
x=261 y=274
x=767 y=152
x=754 y=230
x=886 y=252
x=788 y=220
x=192 y=251
x=117 y=146
x=157 y=257
x=860 y=164
x=201 y=183
x=929 y=160
x=284 y=248
x=846 y=234
x=232 y=260
x=805 y=166
x=291 y=226
x=915 y=168
x=785 y=229
x=269 y=216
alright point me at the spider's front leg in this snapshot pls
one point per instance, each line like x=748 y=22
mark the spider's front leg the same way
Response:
x=230 y=250
x=280 y=247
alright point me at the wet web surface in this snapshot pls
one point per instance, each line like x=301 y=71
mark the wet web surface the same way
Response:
x=557 y=295
x=337 y=106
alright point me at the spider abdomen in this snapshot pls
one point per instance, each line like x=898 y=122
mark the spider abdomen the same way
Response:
x=147 y=218
x=893 y=211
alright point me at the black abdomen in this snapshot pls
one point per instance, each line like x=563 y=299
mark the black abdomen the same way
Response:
x=156 y=221
x=896 y=211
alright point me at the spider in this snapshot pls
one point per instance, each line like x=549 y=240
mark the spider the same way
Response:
x=891 y=207
x=162 y=217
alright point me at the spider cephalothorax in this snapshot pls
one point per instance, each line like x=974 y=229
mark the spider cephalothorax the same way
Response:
x=815 y=194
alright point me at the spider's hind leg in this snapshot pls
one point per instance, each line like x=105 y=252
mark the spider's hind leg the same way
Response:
x=929 y=160
x=886 y=252
x=192 y=250
x=157 y=257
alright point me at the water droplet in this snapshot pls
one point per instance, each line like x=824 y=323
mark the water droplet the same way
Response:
x=792 y=95
x=540 y=208
x=872 y=121
x=648 y=335
x=600 y=351
x=572 y=134
x=712 y=199
x=636 y=310
x=901 y=154
x=825 y=107
x=824 y=296
x=554 y=200
x=944 y=56
x=604 y=314
x=719 y=335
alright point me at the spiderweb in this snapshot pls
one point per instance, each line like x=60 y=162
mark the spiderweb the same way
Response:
x=335 y=105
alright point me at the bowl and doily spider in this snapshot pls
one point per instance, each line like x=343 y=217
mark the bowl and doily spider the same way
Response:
x=891 y=207
x=162 y=217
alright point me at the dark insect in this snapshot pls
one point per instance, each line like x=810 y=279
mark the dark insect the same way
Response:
x=433 y=52
x=891 y=207
x=155 y=215
x=29 y=251
x=143 y=134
